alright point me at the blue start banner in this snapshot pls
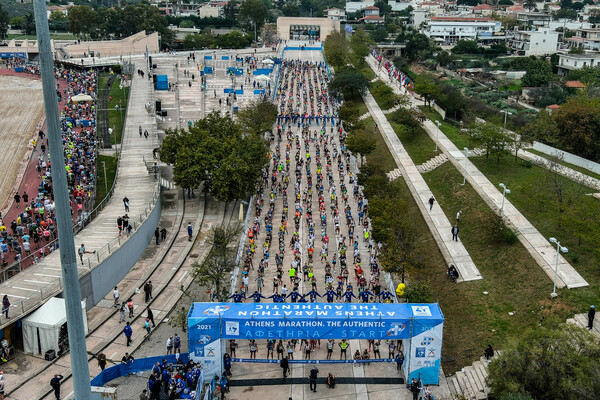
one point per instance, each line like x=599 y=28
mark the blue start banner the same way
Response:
x=421 y=325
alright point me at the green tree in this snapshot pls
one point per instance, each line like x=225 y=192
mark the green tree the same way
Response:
x=418 y=292
x=214 y=270
x=409 y=118
x=564 y=356
x=79 y=18
x=4 y=19
x=426 y=87
x=578 y=124
x=418 y=47
x=379 y=35
x=466 y=47
x=259 y=117
x=336 y=50
x=198 y=41
x=538 y=73
x=564 y=13
x=219 y=152
x=349 y=114
x=361 y=142
x=291 y=10
x=586 y=75
x=29 y=26
x=444 y=58
x=385 y=95
x=252 y=14
x=186 y=23
x=494 y=138
x=359 y=43
x=348 y=82
x=529 y=4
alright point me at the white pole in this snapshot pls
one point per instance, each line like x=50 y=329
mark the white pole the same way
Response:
x=555 y=269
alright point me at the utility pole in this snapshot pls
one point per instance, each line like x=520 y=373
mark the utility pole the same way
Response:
x=68 y=257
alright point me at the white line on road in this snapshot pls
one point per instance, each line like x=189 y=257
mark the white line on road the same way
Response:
x=182 y=276
x=48 y=275
x=32 y=281
x=22 y=288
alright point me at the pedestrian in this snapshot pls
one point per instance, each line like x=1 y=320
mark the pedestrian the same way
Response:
x=5 y=306
x=126 y=203
x=176 y=344
x=116 y=296
x=144 y=395
x=163 y=234
x=415 y=389
x=190 y=231
x=399 y=361
x=343 y=347
x=314 y=373
x=55 y=383
x=83 y=251
x=125 y=222
x=458 y=216
x=285 y=366
x=122 y=312
x=130 y=307
x=120 y=225
x=150 y=316
x=128 y=332
x=101 y=360
x=148 y=329
x=2 y=384
x=157 y=235
x=488 y=352
x=147 y=291
x=454 y=232
x=591 y=315
x=431 y=201
x=170 y=345
x=17 y=199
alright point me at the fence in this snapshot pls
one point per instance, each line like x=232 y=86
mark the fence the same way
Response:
x=139 y=365
x=567 y=157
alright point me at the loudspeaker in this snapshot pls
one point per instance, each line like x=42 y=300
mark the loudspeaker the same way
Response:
x=150 y=61
x=50 y=355
x=158 y=106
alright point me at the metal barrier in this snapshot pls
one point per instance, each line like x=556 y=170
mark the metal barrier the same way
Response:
x=139 y=365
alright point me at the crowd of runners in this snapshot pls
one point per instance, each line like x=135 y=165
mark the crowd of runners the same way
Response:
x=310 y=237
x=28 y=228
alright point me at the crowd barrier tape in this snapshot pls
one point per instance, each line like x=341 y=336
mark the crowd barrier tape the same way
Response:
x=139 y=365
x=268 y=361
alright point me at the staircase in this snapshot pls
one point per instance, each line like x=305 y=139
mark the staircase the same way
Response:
x=394 y=174
x=470 y=381
x=432 y=164
x=582 y=321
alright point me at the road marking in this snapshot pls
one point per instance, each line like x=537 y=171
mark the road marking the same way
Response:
x=48 y=275
x=22 y=288
x=54 y=269
x=182 y=276
x=112 y=355
x=14 y=295
x=32 y=281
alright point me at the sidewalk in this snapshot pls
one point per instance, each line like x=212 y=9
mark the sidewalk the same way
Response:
x=33 y=286
x=453 y=251
x=536 y=244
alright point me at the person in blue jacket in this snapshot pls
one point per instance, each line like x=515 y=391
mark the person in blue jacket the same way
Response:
x=257 y=296
x=128 y=332
x=349 y=295
x=237 y=297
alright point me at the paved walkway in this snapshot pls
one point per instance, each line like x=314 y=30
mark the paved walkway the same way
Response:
x=34 y=285
x=453 y=251
x=537 y=245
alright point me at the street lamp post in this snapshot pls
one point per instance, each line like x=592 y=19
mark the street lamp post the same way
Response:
x=467 y=153
x=437 y=134
x=506 y=114
x=105 y=182
x=559 y=249
x=505 y=191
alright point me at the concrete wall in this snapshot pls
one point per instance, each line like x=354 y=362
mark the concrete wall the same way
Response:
x=103 y=278
x=326 y=25
x=134 y=44
x=567 y=157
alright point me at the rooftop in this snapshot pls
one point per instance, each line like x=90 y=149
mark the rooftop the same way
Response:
x=574 y=84
x=462 y=19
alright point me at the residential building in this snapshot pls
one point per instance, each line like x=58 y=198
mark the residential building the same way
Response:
x=371 y=15
x=62 y=9
x=212 y=10
x=336 y=14
x=399 y=5
x=541 y=42
x=357 y=6
x=482 y=9
x=534 y=19
x=569 y=62
x=449 y=30
x=589 y=39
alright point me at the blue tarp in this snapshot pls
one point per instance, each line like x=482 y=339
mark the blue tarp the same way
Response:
x=306 y=48
x=208 y=57
x=208 y=70
x=239 y=91
x=18 y=69
x=13 y=55
x=227 y=90
x=263 y=71
x=162 y=82
x=225 y=58
x=259 y=91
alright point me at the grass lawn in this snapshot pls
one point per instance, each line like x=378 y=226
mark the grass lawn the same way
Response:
x=532 y=196
x=460 y=139
x=119 y=96
x=359 y=103
x=381 y=155
x=111 y=170
x=512 y=278
x=419 y=146
x=566 y=164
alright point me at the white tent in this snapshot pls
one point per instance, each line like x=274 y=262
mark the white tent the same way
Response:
x=268 y=61
x=81 y=98
x=42 y=328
